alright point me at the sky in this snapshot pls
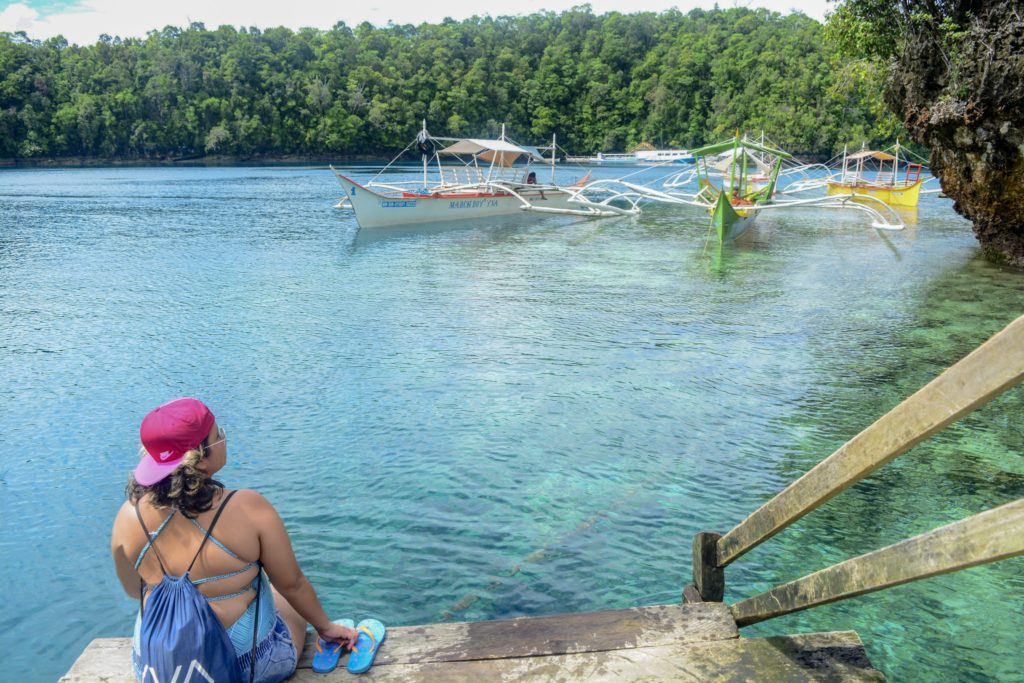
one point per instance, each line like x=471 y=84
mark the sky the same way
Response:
x=83 y=21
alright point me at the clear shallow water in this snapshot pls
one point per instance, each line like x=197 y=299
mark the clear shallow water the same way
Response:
x=488 y=421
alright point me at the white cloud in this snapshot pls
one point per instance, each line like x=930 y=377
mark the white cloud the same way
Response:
x=18 y=18
x=85 y=22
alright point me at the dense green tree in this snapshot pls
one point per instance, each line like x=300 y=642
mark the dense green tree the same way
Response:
x=601 y=82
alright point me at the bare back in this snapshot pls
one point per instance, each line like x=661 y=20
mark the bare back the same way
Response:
x=180 y=539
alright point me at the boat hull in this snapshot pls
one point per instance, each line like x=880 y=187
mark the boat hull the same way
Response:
x=374 y=210
x=642 y=158
x=905 y=195
x=728 y=222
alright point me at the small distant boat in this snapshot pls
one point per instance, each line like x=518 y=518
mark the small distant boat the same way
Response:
x=878 y=174
x=467 y=178
x=655 y=157
x=664 y=156
x=603 y=159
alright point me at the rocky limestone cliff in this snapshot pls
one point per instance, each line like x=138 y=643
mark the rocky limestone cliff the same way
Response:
x=964 y=98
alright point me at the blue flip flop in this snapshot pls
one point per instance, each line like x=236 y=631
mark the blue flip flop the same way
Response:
x=371 y=635
x=327 y=654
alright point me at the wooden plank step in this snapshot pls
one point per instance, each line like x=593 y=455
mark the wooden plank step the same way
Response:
x=836 y=656
x=556 y=634
x=695 y=642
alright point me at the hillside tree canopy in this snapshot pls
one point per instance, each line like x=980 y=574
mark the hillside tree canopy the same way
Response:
x=601 y=82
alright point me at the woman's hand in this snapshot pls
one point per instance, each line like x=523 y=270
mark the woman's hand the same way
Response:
x=336 y=633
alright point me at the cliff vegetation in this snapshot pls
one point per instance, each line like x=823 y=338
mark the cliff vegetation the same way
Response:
x=956 y=81
x=601 y=82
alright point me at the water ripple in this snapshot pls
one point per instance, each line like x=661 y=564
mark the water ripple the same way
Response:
x=481 y=421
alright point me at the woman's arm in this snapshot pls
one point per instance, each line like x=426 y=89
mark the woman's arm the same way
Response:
x=124 y=564
x=278 y=559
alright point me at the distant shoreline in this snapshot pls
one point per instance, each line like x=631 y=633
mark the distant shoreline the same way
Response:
x=256 y=160
x=218 y=160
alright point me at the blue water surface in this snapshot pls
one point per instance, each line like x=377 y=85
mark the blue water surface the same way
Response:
x=526 y=416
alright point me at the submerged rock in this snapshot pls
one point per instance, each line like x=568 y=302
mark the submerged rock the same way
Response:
x=961 y=93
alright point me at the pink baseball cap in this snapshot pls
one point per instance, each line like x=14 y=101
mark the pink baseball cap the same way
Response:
x=167 y=433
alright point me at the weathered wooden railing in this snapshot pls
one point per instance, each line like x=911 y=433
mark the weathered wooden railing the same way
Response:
x=995 y=534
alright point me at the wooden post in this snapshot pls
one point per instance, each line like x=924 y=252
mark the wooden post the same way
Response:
x=989 y=536
x=986 y=372
x=708 y=577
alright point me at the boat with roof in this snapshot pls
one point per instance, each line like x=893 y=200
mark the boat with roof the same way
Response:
x=878 y=173
x=474 y=178
x=888 y=175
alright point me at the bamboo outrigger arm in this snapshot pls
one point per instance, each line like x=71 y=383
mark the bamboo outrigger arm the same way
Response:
x=588 y=207
x=629 y=197
x=655 y=194
x=632 y=195
x=931 y=190
x=680 y=179
x=845 y=201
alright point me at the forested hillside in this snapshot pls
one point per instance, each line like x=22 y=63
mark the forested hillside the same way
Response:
x=602 y=82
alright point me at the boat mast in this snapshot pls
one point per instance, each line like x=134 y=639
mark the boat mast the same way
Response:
x=424 y=136
x=732 y=166
x=553 y=148
x=743 y=172
x=896 y=163
x=497 y=155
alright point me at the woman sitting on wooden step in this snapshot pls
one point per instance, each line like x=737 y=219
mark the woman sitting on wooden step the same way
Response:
x=205 y=602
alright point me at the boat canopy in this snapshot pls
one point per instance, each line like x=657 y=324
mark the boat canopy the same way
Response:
x=534 y=152
x=501 y=152
x=871 y=154
x=725 y=161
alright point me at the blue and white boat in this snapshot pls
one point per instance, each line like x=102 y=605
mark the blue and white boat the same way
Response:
x=466 y=178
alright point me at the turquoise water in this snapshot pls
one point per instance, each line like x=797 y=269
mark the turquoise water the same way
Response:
x=484 y=421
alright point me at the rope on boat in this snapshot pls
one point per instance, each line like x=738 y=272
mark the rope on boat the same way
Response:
x=397 y=157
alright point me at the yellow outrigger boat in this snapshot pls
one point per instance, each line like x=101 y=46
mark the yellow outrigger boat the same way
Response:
x=862 y=175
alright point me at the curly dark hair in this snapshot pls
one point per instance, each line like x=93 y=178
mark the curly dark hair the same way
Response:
x=187 y=489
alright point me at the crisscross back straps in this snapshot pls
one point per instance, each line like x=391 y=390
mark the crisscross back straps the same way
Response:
x=209 y=530
x=150 y=538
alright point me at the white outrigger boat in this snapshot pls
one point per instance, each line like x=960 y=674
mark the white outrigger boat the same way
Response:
x=479 y=180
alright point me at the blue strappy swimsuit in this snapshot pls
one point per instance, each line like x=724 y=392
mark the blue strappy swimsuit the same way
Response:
x=273 y=637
